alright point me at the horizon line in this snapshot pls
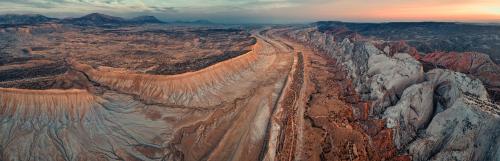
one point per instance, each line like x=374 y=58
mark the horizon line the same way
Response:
x=283 y=21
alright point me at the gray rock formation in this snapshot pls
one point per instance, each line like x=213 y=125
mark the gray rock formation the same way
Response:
x=439 y=115
x=378 y=77
x=411 y=113
x=465 y=125
x=389 y=76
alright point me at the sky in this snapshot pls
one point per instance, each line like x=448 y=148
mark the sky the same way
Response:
x=268 y=11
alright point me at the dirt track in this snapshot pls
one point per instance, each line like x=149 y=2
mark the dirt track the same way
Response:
x=315 y=118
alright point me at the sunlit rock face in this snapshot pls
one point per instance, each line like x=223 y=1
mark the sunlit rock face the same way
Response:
x=206 y=87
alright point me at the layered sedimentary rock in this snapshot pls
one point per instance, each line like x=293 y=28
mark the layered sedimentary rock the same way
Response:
x=123 y=114
x=207 y=87
x=76 y=125
x=429 y=113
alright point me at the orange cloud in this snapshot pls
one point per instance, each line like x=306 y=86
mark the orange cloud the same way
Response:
x=420 y=10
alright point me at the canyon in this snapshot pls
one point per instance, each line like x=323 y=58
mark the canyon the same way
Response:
x=100 y=87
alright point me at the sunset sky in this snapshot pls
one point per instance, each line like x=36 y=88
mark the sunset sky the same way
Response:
x=269 y=11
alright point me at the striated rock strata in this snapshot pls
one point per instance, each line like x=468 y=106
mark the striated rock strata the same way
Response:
x=216 y=113
x=204 y=87
x=75 y=125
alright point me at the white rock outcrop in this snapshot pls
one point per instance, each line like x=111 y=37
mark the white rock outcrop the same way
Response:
x=438 y=115
x=411 y=113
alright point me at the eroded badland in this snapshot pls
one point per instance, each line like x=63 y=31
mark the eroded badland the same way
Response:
x=129 y=91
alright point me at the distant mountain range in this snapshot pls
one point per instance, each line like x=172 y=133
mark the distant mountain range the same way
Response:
x=93 y=19
x=24 y=19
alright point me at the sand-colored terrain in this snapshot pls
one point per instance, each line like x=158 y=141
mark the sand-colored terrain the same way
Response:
x=218 y=112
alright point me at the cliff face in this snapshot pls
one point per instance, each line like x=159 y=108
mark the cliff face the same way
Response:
x=203 y=88
x=435 y=115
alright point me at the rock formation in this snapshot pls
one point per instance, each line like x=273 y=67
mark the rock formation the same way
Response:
x=437 y=115
x=201 y=88
x=465 y=122
x=75 y=125
x=476 y=65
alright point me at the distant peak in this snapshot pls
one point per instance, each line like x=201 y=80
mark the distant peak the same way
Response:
x=96 y=19
x=101 y=16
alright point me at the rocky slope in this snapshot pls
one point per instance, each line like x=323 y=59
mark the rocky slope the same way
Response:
x=435 y=115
